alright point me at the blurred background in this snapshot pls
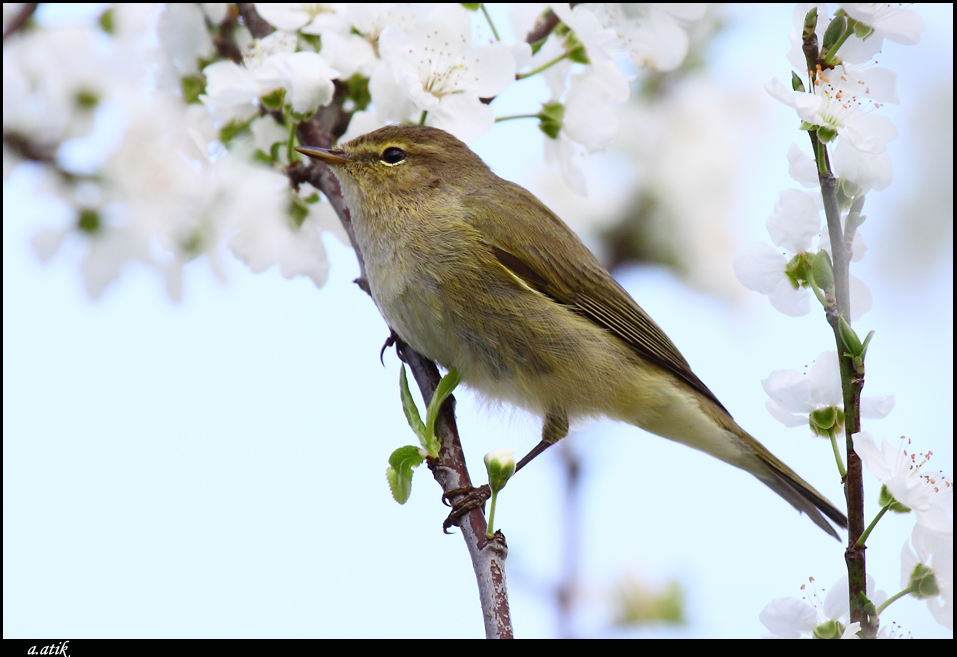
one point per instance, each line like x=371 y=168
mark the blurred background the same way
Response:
x=215 y=467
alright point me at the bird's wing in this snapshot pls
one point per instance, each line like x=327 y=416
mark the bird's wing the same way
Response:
x=575 y=279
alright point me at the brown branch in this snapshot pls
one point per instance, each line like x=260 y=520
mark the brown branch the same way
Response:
x=253 y=21
x=20 y=20
x=451 y=472
x=225 y=37
x=29 y=149
x=852 y=380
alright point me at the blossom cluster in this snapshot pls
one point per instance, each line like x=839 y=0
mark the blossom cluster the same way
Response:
x=205 y=113
x=841 y=105
x=837 y=95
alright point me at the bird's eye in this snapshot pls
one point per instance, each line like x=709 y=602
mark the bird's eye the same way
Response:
x=392 y=156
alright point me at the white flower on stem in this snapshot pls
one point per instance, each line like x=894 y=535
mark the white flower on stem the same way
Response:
x=271 y=64
x=308 y=78
x=652 y=33
x=930 y=573
x=443 y=75
x=866 y=170
x=836 y=102
x=309 y=17
x=275 y=238
x=929 y=494
x=348 y=53
x=600 y=42
x=54 y=80
x=589 y=120
x=793 y=225
x=344 y=50
x=266 y=133
x=811 y=617
x=794 y=395
x=795 y=222
x=890 y=21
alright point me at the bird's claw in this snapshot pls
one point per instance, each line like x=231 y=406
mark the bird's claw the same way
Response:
x=469 y=498
x=389 y=342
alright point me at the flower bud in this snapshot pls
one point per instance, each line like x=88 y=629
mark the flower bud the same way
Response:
x=500 y=464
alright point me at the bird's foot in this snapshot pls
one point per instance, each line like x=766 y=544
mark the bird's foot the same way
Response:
x=467 y=499
x=390 y=341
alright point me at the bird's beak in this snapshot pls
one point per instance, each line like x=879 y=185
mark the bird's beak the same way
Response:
x=331 y=156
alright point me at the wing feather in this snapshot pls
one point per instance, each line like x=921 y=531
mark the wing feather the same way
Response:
x=574 y=279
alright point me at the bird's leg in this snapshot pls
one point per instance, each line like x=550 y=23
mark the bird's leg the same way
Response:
x=554 y=429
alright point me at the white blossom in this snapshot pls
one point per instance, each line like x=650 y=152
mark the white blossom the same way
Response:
x=271 y=64
x=809 y=617
x=437 y=69
x=792 y=226
x=652 y=33
x=837 y=103
x=890 y=21
x=935 y=552
x=310 y=17
x=794 y=395
x=929 y=494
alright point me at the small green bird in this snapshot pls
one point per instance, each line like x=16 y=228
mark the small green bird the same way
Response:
x=475 y=273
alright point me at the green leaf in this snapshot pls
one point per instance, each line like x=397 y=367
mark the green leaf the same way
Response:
x=851 y=342
x=107 y=21
x=358 y=91
x=410 y=409
x=442 y=391
x=833 y=34
x=273 y=100
x=551 y=118
x=796 y=83
x=810 y=24
x=399 y=473
x=578 y=55
x=229 y=131
x=538 y=45
x=313 y=40
x=471 y=6
x=298 y=211
x=192 y=86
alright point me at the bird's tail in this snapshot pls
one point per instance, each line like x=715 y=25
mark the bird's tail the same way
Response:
x=800 y=494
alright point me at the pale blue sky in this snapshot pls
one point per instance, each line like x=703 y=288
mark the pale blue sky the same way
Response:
x=216 y=467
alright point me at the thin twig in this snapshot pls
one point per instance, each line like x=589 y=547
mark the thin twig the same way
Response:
x=253 y=21
x=18 y=21
x=852 y=379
